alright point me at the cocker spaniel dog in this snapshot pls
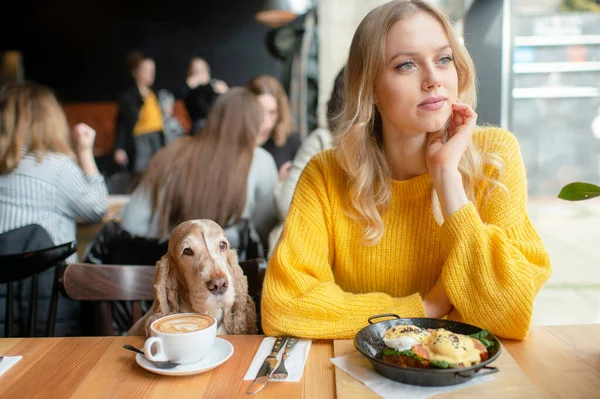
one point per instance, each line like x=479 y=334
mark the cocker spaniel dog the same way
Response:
x=200 y=274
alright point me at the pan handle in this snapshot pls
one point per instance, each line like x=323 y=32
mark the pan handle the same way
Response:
x=379 y=316
x=489 y=370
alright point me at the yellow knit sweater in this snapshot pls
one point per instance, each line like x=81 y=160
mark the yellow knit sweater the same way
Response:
x=323 y=282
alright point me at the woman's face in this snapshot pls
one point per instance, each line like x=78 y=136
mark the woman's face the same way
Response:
x=419 y=82
x=145 y=73
x=199 y=68
x=271 y=114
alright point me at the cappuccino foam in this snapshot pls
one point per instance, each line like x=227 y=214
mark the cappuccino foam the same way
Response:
x=183 y=324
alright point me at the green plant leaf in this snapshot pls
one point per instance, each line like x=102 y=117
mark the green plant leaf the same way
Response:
x=579 y=191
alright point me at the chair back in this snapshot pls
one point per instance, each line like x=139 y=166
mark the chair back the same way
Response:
x=26 y=252
x=115 y=246
x=19 y=266
x=101 y=284
x=87 y=282
x=255 y=274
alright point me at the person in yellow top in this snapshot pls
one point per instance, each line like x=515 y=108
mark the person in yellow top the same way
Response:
x=415 y=210
x=140 y=121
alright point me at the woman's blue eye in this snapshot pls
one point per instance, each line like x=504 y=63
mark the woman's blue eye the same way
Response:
x=407 y=66
x=446 y=60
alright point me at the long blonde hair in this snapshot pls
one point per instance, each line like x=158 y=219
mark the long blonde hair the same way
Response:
x=358 y=143
x=30 y=116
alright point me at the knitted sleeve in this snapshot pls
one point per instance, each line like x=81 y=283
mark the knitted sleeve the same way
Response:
x=300 y=296
x=496 y=262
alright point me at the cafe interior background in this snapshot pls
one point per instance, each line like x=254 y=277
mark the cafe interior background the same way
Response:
x=538 y=63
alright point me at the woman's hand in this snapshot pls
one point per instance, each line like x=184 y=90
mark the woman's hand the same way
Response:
x=284 y=171
x=436 y=303
x=199 y=79
x=220 y=87
x=121 y=157
x=83 y=137
x=443 y=158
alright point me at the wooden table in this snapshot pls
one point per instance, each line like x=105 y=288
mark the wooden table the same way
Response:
x=562 y=362
x=101 y=368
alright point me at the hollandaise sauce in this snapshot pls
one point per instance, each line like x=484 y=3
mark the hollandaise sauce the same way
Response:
x=456 y=349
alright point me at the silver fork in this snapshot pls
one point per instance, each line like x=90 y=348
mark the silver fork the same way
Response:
x=281 y=372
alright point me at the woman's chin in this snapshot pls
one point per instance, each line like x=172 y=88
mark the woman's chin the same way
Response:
x=439 y=122
x=434 y=126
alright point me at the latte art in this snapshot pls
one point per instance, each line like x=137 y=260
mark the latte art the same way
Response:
x=181 y=324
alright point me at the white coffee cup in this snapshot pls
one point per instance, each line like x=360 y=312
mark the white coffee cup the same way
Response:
x=184 y=338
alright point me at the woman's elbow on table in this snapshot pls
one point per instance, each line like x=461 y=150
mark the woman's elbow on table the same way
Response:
x=514 y=329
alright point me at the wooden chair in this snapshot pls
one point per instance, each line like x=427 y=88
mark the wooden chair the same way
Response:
x=101 y=284
x=104 y=283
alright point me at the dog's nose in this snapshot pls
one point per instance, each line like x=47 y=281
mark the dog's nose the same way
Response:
x=218 y=286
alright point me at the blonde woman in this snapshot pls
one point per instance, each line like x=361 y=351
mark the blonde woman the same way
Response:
x=48 y=177
x=44 y=179
x=415 y=211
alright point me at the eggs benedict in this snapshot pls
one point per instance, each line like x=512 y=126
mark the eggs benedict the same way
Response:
x=438 y=348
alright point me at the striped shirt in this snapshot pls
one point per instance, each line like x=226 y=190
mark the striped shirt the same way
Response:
x=53 y=193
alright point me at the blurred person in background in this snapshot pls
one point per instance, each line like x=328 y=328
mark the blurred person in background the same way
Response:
x=276 y=135
x=320 y=139
x=139 y=122
x=48 y=177
x=43 y=179
x=171 y=126
x=200 y=91
x=220 y=175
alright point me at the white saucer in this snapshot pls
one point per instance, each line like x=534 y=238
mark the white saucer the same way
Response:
x=221 y=352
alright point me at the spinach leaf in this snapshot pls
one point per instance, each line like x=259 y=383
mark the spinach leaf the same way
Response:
x=412 y=354
x=481 y=337
x=409 y=353
x=441 y=364
x=390 y=352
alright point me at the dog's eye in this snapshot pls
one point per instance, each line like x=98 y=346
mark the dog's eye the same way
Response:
x=222 y=246
x=188 y=251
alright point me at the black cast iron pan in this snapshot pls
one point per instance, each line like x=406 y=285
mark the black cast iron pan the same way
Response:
x=369 y=342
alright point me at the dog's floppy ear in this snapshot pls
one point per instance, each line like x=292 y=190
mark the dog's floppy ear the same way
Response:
x=244 y=309
x=165 y=292
x=165 y=288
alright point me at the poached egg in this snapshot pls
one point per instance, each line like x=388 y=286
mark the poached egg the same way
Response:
x=403 y=338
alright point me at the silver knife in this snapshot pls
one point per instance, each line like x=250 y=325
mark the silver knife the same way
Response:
x=267 y=368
